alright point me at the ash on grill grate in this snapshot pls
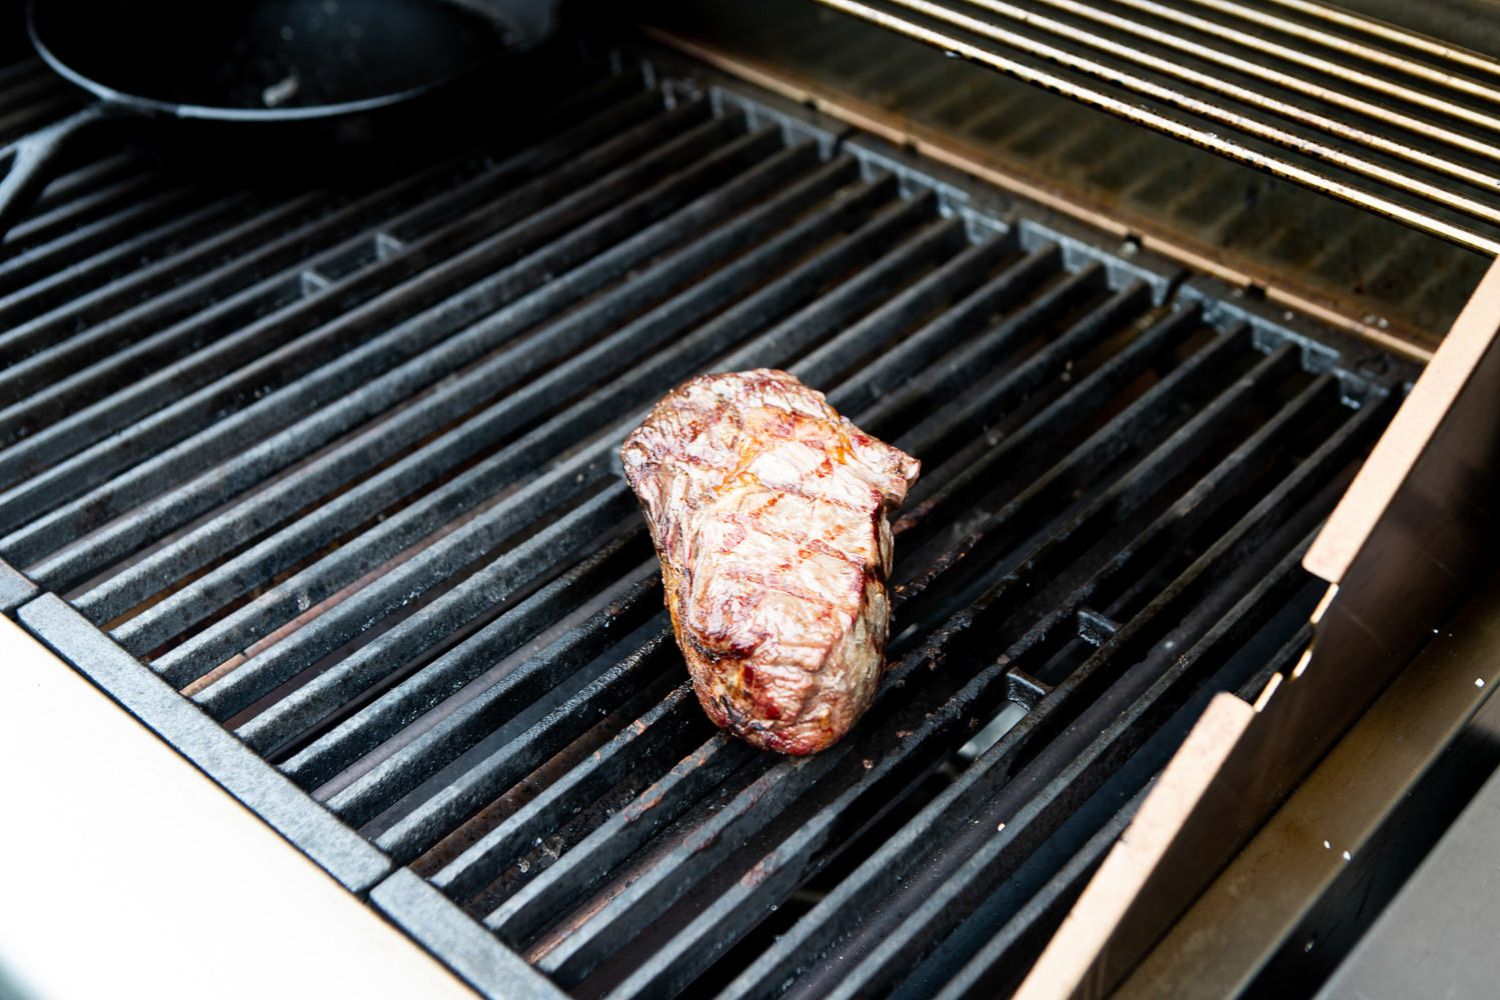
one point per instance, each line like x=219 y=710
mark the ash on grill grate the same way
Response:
x=341 y=470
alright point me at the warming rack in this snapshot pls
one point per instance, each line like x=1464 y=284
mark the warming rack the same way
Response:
x=1395 y=122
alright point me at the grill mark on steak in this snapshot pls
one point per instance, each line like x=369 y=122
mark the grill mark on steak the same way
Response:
x=769 y=514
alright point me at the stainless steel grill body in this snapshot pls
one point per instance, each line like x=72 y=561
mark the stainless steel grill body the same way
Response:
x=323 y=488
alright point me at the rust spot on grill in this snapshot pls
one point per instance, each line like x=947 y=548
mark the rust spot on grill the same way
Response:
x=645 y=802
x=761 y=870
x=697 y=758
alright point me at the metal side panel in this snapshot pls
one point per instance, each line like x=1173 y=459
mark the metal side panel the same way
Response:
x=1439 y=931
x=1402 y=548
x=337 y=849
x=1280 y=915
x=175 y=890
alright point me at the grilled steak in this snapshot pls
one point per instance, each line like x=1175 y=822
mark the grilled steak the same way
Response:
x=768 y=511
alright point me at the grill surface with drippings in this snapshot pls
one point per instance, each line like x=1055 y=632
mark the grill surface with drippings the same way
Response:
x=341 y=469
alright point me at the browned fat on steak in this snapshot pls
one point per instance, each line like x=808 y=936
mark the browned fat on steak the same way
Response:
x=768 y=510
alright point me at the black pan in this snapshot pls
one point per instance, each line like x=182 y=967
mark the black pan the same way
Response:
x=295 y=80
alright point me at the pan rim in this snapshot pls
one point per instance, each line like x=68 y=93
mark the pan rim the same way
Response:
x=217 y=113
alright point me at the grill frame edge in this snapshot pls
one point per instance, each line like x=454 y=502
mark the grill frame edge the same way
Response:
x=15 y=588
x=341 y=852
x=464 y=945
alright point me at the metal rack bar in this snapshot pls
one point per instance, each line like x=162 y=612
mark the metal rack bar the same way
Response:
x=1224 y=115
x=1391 y=33
x=1339 y=43
x=1290 y=81
x=1184 y=131
x=1316 y=63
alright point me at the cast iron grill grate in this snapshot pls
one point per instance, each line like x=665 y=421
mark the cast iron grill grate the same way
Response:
x=335 y=474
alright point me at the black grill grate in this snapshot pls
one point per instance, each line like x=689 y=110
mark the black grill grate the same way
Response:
x=335 y=474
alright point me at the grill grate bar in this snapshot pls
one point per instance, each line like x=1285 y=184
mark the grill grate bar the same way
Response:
x=982 y=404
x=588 y=122
x=920 y=300
x=845 y=301
x=345 y=743
x=92 y=222
x=53 y=386
x=542 y=443
x=510 y=367
x=764 y=350
x=1010 y=949
x=325 y=343
x=496 y=583
x=1286 y=504
x=828 y=364
x=501 y=769
x=239 y=297
x=576 y=955
x=1137 y=486
x=403 y=584
x=32 y=313
x=275 y=411
x=651 y=744
x=702 y=849
x=378 y=789
x=88 y=177
x=77 y=198
x=156 y=624
x=1050 y=490
x=978 y=461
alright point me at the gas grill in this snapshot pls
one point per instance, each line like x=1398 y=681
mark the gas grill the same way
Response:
x=321 y=486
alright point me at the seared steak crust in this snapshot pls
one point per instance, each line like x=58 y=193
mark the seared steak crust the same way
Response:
x=768 y=511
